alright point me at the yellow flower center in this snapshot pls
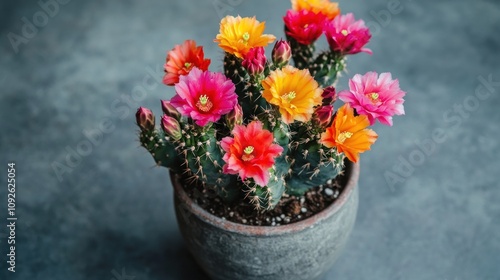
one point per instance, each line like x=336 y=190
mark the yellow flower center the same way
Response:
x=187 y=65
x=344 y=32
x=248 y=154
x=246 y=37
x=204 y=104
x=344 y=136
x=288 y=96
x=373 y=97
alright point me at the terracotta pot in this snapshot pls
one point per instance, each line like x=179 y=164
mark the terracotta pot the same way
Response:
x=302 y=250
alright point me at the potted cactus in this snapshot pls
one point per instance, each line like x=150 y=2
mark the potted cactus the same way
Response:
x=263 y=165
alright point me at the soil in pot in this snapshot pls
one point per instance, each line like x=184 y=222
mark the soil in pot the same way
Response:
x=290 y=209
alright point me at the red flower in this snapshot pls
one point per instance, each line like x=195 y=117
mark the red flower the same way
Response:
x=250 y=153
x=181 y=59
x=304 y=26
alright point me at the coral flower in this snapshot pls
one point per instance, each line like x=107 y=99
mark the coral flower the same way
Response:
x=379 y=98
x=204 y=96
x=327 y=8
x=294 y=91
x=345 y=35
x=181 y=59
x=238 y=35
x=348 y=133
x=250 y=153
x=304 y=26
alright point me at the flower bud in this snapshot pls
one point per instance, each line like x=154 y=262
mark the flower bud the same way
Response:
x=329 y=95
x=235 y=117
x=255 y=61
x=171 y=127
x=170 y=110
x=281 y=53
x=145 y=119
x=323 y=115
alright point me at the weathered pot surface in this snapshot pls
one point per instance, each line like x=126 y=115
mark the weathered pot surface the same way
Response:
x=301 y=250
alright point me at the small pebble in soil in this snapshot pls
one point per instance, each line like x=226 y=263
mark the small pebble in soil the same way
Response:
x=328 y=191
x=303 y=210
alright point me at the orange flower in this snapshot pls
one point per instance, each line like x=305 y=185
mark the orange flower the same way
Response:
x=294 y=91
x=181 y=59
x=327 y=8
x=349 y=133
x=238 y=35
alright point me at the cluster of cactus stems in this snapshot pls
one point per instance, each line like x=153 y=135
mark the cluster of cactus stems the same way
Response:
x=195 y=152
x=263 y=128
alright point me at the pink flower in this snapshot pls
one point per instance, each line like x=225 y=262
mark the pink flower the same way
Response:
x=250 y=153
x=304 y=26
x=255 y=61
x=347 y=36
x=204 y=96
x=375 y=97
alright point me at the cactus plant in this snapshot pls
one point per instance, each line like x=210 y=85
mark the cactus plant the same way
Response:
x=262 y=129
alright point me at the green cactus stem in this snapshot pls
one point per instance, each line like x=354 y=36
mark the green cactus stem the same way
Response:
x=266 y=197
x=248 y=88
x=312 y=166
x=327 y=67
x=203 y=163
x=161 y=148
x=302 y=55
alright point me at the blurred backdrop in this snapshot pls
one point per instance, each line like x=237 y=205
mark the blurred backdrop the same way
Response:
x=91 y=205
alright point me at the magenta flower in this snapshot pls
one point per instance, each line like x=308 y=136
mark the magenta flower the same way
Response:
x=204 y=96
x=145 y=119
x=250 y=152
x=304 y=26
x=282 y=52
x=378 y=98
x=329 y=95
x=323 y=115
x=255 y=61
x=347 y=36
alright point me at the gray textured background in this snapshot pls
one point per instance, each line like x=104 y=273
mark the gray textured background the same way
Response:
x=111 y=216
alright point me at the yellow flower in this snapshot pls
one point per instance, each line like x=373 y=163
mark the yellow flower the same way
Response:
x=349 y=133
x=238 y=35
x=294 y=91
x=329 y=9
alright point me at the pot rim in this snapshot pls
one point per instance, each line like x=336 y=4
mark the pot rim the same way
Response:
x=352 y=174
